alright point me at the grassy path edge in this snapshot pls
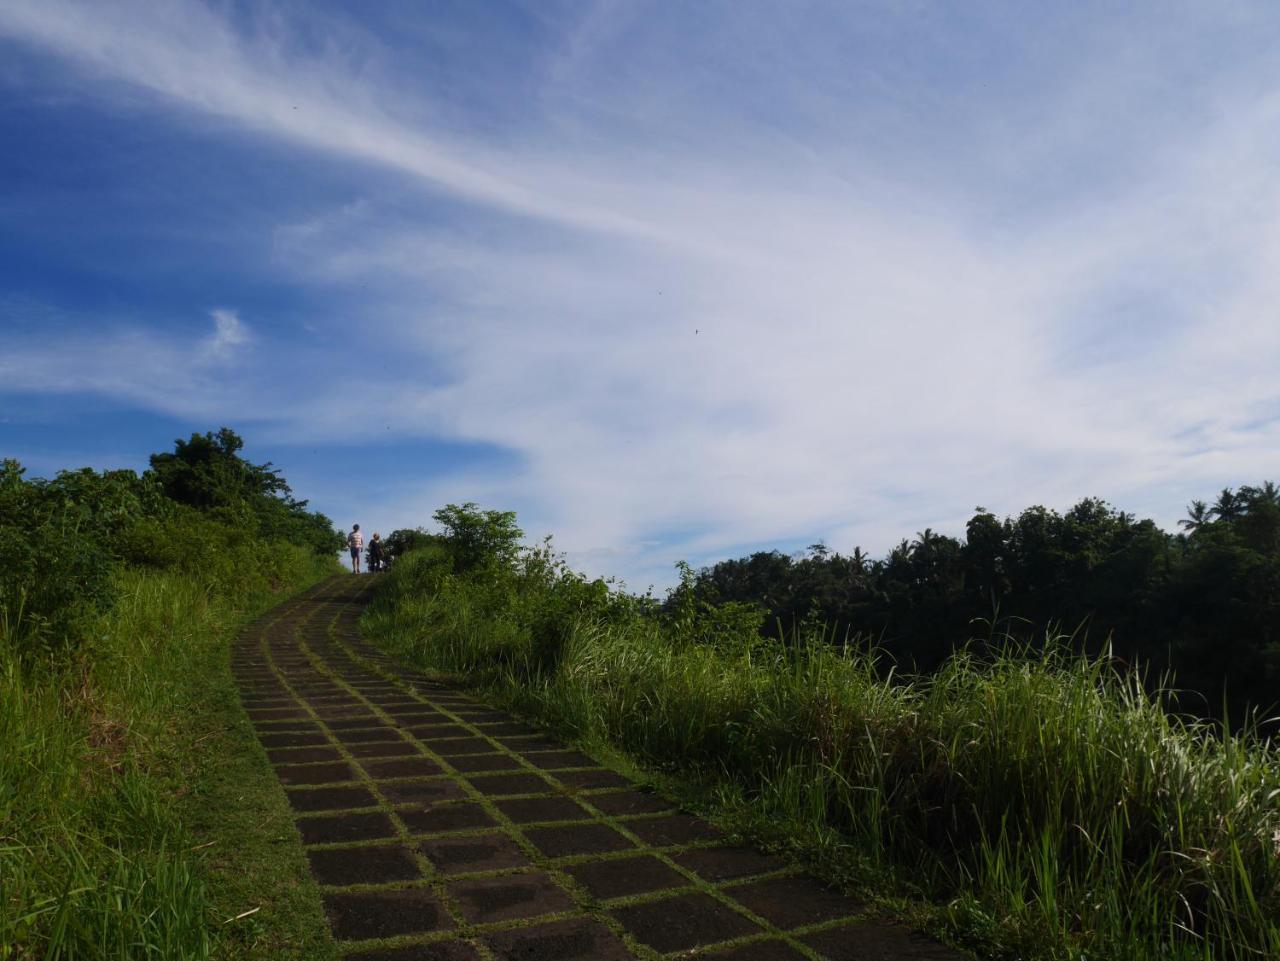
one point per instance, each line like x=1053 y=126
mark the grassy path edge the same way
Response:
x=264 y=901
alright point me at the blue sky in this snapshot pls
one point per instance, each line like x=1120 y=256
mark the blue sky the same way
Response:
x=670 y=280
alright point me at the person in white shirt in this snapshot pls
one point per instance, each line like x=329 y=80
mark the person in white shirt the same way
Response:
x=355 y=541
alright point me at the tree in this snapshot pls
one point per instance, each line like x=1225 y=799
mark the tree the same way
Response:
x=1229 y=506
x=407 y=539
x=1198 y=516
x=479 y=537
x=207 y=471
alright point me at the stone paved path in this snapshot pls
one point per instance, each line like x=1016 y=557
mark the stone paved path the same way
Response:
x=441 y=830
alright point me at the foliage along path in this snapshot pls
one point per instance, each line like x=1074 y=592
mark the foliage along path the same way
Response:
x=441 y=830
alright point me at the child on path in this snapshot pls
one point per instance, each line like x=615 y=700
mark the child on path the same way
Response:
x=355 y=541
x=375 y=552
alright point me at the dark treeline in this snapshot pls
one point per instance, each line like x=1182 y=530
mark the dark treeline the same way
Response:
x=1202 y=602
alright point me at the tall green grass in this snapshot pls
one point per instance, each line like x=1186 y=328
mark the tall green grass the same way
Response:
x=1049 y=805
x=98 y=749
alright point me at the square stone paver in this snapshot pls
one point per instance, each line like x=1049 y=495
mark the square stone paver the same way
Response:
x=460 y=816
x=683 y=922
x=437 y=729
x=450 y=747
x=327 y=828
x=576 y=940
x=430 y=791
x=497 y=785
x=435 y=951
x=384 y=749
x=367 y=735
x=484 y=762
x=532 y=809
x=623 y=877
x=793 y=902
x=401 y=767
x=334 y=713
x=574 y=839
x=409 y=709
x=361 y=722
x=315 y=773
x=509 y=897
x=673 y=829
x=367 y=865
x=725 y=864
x=508 y=728
x=874 y=941
x=589 y=780
x=384 y=914
x=487 y=852
x=550 y=760
x=303 y=755
x=330 y=798
x=623 y=803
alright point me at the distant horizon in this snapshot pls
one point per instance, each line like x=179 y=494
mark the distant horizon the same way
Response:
x=669 y=282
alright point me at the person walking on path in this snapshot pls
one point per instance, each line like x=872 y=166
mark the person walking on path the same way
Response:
x=355 y=541
x=375 y=553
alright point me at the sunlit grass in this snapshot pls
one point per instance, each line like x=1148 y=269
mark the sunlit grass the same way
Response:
x=97 y=751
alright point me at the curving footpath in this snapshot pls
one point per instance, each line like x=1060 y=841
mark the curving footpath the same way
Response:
x=441 y=830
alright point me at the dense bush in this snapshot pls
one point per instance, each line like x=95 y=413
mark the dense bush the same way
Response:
x=64 y=539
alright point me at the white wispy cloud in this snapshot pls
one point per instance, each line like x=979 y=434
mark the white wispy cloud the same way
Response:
x=229 y=335
x=738 y=335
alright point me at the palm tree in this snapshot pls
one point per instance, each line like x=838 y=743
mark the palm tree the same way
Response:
x=1229 y=506
x=1198 y=516
x=1266 y=495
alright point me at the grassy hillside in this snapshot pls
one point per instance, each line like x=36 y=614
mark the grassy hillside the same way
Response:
x=1045 y=806
x=136 y=810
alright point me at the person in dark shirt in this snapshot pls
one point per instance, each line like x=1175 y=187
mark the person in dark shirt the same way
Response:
x=375 y=553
